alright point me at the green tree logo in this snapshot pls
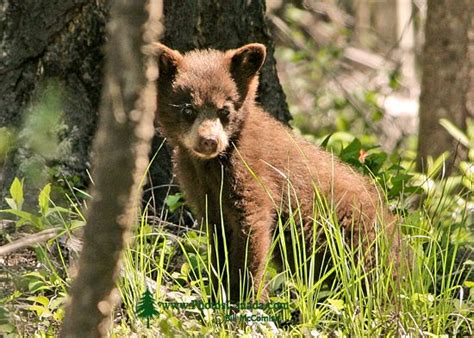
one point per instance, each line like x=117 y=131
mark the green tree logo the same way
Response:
x=146 y=307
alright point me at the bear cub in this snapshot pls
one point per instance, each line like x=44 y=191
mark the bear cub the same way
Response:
x=240 y=169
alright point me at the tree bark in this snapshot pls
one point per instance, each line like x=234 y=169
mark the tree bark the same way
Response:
x=121 y=149
x=59 y=40
x=406 y=38
x=447 y=89
x=63 y=40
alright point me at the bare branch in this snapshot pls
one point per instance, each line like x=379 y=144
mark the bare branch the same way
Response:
x=29 y=240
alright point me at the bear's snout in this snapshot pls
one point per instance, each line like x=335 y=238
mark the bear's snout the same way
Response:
x=207 y=145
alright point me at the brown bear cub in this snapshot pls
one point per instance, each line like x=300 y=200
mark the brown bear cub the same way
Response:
x=240 y=169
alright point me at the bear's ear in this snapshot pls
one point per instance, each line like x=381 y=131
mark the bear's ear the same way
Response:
x=168 y=60
x=246 y=61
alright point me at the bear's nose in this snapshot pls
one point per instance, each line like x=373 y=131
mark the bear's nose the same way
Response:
x=208 y=145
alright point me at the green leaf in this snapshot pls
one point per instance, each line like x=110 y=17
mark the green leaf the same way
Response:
x=39 y=299
x=435 y=167
x=41 y=311
x=424 y=298
x=185 y=269
x=37 y=285
x=350 y=153
x=394 y=77
x=377 y=115
x=375 y=161
x=336 y=304
x=469 y=284
x=16 y=192
x=11 y=203
x=193 y=261
x=26 y=217
x=43 y=198
x=58 y=315
x=174 y=201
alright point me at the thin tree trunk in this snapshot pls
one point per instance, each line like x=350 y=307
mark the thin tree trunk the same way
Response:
x=384 y=22
x=447 y=89
x=362 y=20
x=121 y=152
x=406 y=36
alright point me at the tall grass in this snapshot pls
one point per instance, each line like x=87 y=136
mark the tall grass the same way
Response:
x=342 y=296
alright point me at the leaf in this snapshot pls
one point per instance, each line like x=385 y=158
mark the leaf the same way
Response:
x=57 y=210
x=58 y=315
x=174 y=201
x=26 y=216
x=41 y=311
x=469 y=284
x=39 y=299
x=424 y=298
x=11 y=203
x=185 y=269
x=16 y=192
x=394 y=79
x=336 y=304
x=56 y=303
x=437 y=165
x=193 y=261
x=375 y=161
x=377 y=115
x=350 y=153
x=35 y=286
x=43 y=198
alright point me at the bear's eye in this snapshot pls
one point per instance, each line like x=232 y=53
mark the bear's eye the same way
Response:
x=188 y=111
x=223 y=113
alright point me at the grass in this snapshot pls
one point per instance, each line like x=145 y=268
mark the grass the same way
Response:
x=344 y=298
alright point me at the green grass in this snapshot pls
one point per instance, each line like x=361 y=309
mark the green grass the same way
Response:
x=428 y=300
x=348 y=299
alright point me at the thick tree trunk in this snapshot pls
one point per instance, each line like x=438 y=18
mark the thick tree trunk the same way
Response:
x=447 y=89
x=122 y=145
x=63 y=40
x=59 y=40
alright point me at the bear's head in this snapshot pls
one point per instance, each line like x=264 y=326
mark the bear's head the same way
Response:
x=204 y=95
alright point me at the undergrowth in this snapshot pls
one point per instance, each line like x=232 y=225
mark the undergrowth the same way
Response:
x=342 y=297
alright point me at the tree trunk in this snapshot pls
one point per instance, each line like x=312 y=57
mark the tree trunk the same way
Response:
x=63 y=40
x=406 y=38
x=122 y=145
x=59 y=40
x=447 y=89
x=384 y=22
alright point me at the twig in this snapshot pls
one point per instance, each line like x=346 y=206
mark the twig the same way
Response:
x=29 y=240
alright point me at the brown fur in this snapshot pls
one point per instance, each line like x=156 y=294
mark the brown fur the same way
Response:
x=208 y=81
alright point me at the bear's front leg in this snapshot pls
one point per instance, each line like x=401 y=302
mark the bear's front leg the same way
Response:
x=250 y=247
